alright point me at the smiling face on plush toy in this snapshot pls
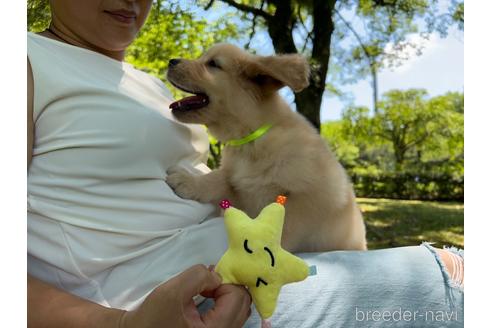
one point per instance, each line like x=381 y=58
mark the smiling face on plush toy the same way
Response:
x=257 y=254
x=259 y=280
x=255 y=257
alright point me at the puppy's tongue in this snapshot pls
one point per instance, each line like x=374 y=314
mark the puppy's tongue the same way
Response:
x=193 y=102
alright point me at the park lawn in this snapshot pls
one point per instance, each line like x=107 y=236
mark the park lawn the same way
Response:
x=394 y=223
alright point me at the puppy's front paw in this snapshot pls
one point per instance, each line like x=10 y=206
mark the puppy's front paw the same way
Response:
x=182 y=182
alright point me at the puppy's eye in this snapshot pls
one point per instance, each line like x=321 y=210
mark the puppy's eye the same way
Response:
x=213 y=63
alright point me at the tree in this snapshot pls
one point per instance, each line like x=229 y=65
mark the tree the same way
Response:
x=347 y=151
x=38 y=15
x=379 y=35
x=414 y=126
x=309 y=26
x=171 y=32
x=413 y=148
x=444 y=152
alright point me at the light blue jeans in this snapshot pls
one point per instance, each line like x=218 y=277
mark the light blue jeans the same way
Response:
x=396 y=287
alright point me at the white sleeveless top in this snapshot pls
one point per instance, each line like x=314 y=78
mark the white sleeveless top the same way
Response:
x=102 y=223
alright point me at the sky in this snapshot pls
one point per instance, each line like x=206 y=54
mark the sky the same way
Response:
x=439 y=69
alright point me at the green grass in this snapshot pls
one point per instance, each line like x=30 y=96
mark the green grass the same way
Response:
x=393 y=223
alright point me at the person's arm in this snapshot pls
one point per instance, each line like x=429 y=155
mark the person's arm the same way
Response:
x=170 y=303
x=48 y=306
x=30 y=123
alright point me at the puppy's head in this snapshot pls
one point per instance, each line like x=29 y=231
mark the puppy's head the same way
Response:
x=231 y=85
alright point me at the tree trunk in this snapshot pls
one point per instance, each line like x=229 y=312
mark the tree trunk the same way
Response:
x=280 y=27
x=374 y=74
x=308 y=101
x=399 y=157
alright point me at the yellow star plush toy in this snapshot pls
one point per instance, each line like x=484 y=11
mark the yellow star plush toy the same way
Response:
x=255 y=258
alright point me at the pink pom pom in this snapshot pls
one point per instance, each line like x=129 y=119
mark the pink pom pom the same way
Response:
x=225 y=203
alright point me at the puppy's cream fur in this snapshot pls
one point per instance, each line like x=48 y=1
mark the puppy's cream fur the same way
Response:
x=291 y=159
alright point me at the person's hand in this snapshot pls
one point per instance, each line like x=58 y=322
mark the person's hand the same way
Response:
x=171 y=304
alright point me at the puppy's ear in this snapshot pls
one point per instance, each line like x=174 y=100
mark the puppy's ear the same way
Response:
x=275 y=72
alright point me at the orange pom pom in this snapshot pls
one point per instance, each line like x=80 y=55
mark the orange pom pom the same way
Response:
x=281 y=199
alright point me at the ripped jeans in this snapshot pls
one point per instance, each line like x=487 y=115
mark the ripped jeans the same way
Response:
x=417 y=286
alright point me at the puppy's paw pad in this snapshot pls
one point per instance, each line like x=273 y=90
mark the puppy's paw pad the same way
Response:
x=181 y=182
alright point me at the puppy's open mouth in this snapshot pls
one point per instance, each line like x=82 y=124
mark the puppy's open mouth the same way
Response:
x=199 y=100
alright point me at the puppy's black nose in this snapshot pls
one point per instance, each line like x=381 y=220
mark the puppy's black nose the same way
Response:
x=174 y=62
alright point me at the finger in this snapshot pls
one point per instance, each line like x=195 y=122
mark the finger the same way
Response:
x=198 y=279
x=212 y=293
x=209 y=293
x=231 y=306
x=243 y=307
x=245 y=312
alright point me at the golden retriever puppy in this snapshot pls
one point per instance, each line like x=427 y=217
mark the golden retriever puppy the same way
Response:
x=235 y=93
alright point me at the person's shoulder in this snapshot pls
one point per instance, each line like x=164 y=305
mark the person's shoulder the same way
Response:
x=38 y=36
x=31 y=36
x=41 y=39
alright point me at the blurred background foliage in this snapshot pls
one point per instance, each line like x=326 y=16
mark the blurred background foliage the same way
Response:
x=413 y=148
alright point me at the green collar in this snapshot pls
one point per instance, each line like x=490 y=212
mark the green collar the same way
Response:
x=250 y=137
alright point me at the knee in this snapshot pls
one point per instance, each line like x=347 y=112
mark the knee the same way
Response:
x=454 y=264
